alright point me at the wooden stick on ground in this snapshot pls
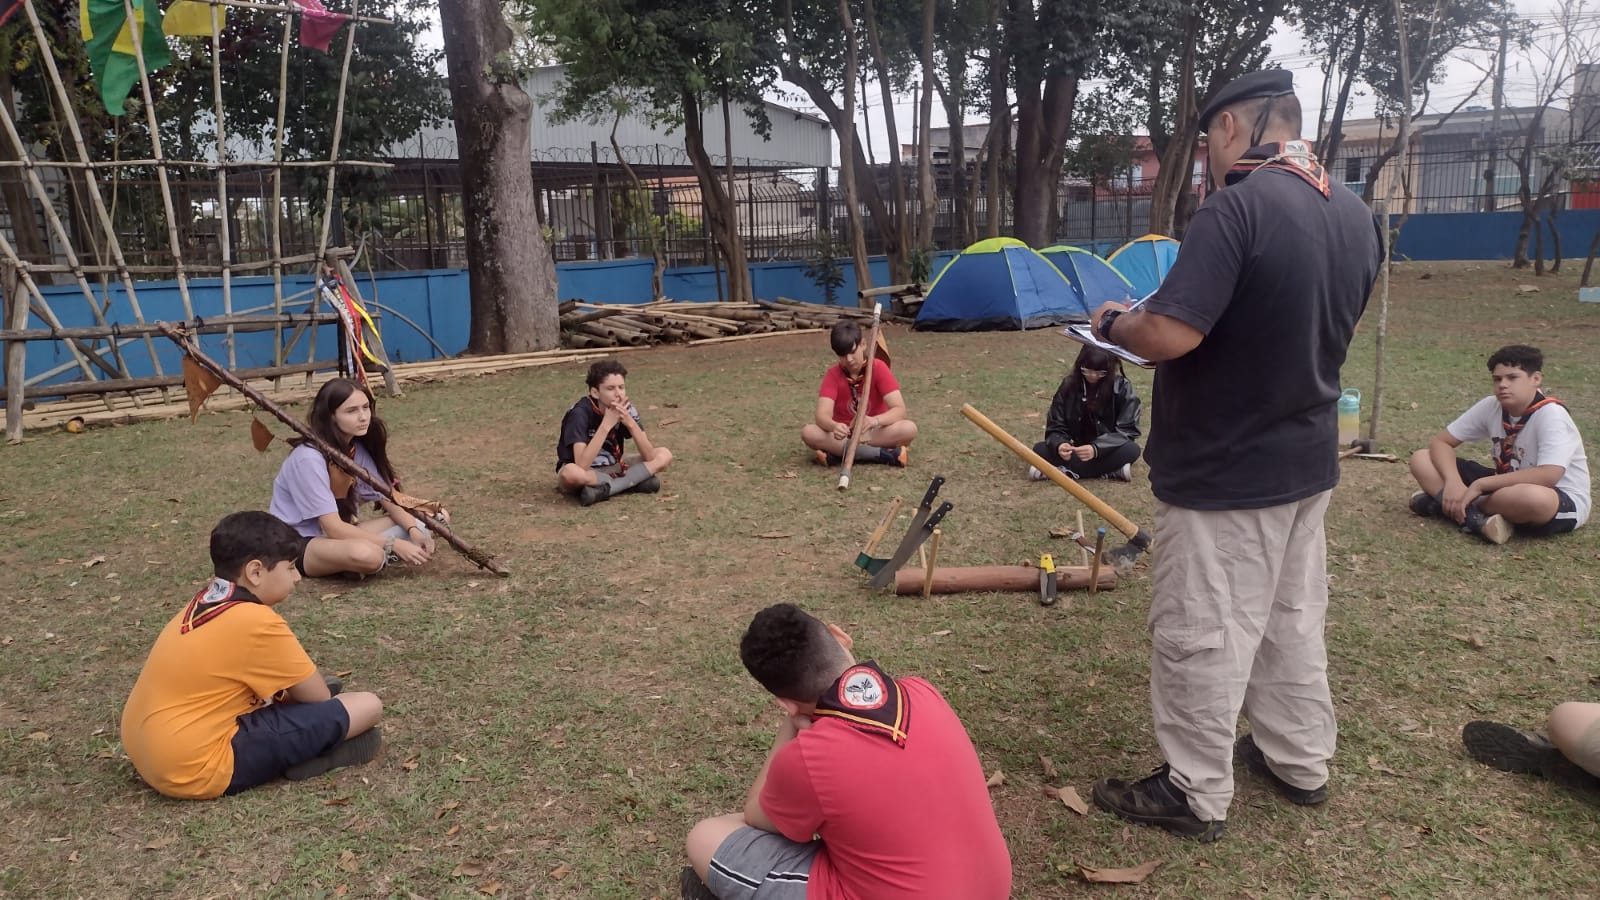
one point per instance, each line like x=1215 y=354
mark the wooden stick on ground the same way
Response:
x=933 y=563
x=333 y=455
x=1094 y=567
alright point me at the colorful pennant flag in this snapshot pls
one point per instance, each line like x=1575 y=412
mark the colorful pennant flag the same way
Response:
x=108 y=38
x=193 y=18
x=317 y=24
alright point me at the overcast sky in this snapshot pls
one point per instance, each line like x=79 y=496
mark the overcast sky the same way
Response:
x=1287 y=51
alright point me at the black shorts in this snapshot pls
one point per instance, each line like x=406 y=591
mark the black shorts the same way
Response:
x=271 y=740
x=1566 y=517
x=300 y=561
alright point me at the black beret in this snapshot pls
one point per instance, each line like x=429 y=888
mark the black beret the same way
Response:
x=1265 y=83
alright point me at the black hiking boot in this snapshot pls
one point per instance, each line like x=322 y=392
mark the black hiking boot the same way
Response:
x=648 y=486
x=1155 y=800
x=594 y=493
x=1247 y=753
x=1527 y=753
x=360 y=749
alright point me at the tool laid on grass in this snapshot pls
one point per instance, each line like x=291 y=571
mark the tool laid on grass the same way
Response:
x=1047 y=580
x=864 y=559
x=914 y=538
x=1138 y=539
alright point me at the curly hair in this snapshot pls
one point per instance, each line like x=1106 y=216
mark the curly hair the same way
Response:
x=1518 y=356
x=791 y=653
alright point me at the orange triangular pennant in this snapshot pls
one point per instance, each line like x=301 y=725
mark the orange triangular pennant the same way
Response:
x=260 y=435
x=410 y=502
x=340 y=481
x=198 y=384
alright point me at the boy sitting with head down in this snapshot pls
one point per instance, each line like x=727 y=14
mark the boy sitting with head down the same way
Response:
x=228 y=699
x=872 y=788
x=1540 y=481
x=589 y=459
x=886 y=430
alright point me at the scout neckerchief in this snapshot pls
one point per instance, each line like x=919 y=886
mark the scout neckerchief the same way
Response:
x=1290 y=156
x=855 y=384
x=213 y=600
x=1508 y=447
x=868 y=700
x=612 y=442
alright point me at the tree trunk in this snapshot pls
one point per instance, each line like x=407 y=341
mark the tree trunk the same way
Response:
x=847 y=151
x=1173 y=176
x=1588 y=262
x=901 y=212
x=735 y=239
x=1329 y=145
x=927 y=197
x=999 y=119
x=1402 y=147
x=1043 y=118
x=1555 y=239
x=510 y=270
x=714 y=198
x=652 y=224
x=954 y=101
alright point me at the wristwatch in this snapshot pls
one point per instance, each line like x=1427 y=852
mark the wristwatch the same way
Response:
x=1106 y=320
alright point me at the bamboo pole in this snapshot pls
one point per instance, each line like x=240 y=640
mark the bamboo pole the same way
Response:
x=277 y=191
x=129 y=385
x=16 y=351
x=207 y=326
x=338 y=129
x=224 y=211
x=37 y=299
x=333 y=455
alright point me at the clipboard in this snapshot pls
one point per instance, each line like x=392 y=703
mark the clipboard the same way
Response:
x=1083 y=335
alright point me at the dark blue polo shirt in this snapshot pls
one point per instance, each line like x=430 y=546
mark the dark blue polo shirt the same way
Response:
x=1275 y=276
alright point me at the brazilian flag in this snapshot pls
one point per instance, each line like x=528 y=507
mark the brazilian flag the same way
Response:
x=108 y=36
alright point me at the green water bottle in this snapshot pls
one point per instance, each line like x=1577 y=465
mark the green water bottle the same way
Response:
x=1349 y=416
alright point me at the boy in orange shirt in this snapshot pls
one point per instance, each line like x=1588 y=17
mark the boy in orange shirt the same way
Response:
x=228 y=699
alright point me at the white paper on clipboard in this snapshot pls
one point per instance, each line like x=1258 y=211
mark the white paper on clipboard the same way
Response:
x=1083 y=335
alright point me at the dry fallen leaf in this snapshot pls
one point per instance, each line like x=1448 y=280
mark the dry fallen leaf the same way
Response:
x=561 y=871
x=446 y=807
x=39 y=736
x=467 y=870
x=1062 y=532
x=1471 y=640
x=997 y=779
x=159 y=843
x=94 y=561
x=943 y=633
x=489 y=887
x=347 y=862
x=454 y=830
x=336 y=801
x=1135 y=875
x=410 y=765
x=773 y=535
x=1048 y=765
x=1071 y=800
x=1376 y=765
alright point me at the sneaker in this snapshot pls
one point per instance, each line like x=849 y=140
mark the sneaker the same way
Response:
x=829 y=460
x=1034 y=474
x=334 y=683
x=362 y=748
x=1425 y=505
x=690 y=887
x=896 y=456
x=1494 y=529
x=1246 y=752
x=1155 y=800
x=1510 y=749
x=594 y=493
x=1123 y=474
x=648 y=486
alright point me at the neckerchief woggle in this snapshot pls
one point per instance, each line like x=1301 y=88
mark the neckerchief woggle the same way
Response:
x=1290 y=156
x=213 y=600
x=868 y=700
x=1508 y=447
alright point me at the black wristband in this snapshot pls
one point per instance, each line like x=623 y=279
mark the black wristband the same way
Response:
x=1105 y=323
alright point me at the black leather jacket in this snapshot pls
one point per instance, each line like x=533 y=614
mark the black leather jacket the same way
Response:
x=1113 y=427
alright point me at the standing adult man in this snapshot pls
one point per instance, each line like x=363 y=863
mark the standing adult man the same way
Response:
x=1249 y=331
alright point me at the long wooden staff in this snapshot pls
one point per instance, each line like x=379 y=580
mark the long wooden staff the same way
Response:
x=333 y=454
x=858 y=426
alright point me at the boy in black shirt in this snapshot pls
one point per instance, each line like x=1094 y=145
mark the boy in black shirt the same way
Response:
x=589 y=458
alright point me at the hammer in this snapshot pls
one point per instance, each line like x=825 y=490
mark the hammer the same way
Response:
x=1359 y=445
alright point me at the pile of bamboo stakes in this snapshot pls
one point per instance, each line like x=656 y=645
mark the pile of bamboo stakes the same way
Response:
x=667 y=321
x=607 y=325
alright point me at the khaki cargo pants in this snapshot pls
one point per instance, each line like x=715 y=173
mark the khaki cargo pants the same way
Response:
x=1236 y=620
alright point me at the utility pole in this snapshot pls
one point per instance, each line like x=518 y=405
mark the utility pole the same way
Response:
x=1494 y=126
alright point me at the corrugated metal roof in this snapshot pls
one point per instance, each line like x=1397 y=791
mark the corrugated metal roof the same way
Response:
x=798 y=140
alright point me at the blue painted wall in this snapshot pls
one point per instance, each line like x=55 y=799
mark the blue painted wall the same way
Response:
x=438 y=300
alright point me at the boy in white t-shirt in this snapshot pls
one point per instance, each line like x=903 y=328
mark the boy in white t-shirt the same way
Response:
x=1539 y=484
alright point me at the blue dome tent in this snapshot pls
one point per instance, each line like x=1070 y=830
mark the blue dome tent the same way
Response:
x=999 y=284
x=1145 y=261
x=1092 y=277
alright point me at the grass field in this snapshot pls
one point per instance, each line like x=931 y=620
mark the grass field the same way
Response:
x=557 y=732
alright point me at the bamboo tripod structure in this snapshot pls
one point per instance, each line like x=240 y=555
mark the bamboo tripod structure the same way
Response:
x=23 y=295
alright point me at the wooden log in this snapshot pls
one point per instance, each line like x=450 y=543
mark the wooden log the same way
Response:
x=16 y=360
x=141 y=329
x=746 y=337
x=961 y=579
x=912 y=288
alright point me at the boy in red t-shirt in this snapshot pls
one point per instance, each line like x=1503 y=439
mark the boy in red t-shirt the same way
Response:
x=872 y=788
x=888 y=431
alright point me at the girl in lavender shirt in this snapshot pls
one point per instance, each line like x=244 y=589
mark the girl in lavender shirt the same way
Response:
x=336 y=540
